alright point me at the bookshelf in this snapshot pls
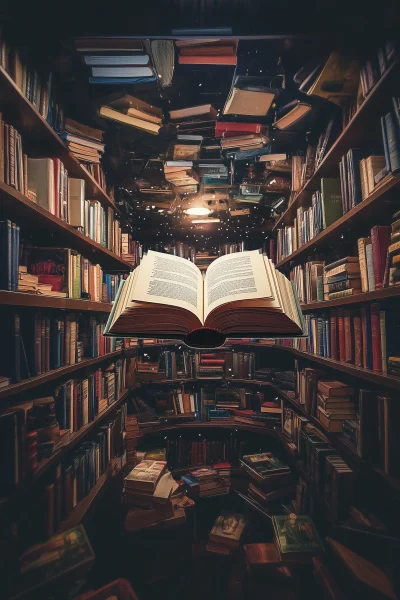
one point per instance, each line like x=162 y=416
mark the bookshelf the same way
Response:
x=368 y=209
x=381 y=294
x=30 y=123
x=12 y=501
x=355 y=132
x=36 y=219
x=41 y=301
x=33 y=382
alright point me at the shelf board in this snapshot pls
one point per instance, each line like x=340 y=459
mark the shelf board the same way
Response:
x=41 y=301
x=33 y=382
x=45 y=464
x=382 y=294
x=351 y=136
x=202 y=379
x=368 y=208
x=380 y=379
x=228 y=424
x=31 y=125
x=36 y=219
x=86 y=505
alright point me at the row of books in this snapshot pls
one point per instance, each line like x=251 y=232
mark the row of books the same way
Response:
x=79 y=401
x=362 y=337
x=37 y=343
x=86 y=143
x=37 y=87
x=182 y=452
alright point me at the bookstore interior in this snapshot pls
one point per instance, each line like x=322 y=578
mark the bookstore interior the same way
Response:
x=200 y=302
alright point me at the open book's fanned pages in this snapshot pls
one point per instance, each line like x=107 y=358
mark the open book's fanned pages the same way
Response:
x=242 y=296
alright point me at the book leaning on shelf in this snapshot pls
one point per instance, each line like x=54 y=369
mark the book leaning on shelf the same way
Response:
x=241 y=293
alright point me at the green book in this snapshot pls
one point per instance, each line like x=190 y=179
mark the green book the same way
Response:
x=297 y=537
x=320 y=288
x=331 y=200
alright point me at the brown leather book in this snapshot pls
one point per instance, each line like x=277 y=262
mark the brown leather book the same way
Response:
x=261 y=556
x=357 y=340
x=341 y=336
x=208 y=50
x=348 y=336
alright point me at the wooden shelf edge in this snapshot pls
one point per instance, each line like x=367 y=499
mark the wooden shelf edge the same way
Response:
x=310 y=184
x=33 y=382
x=382 y=294
x=380 y=379
x=42 y=301
x=387 y=184
x=50 y=221
x=55 y=458
x=223 y=380
x=211 y=425
x=70 y=161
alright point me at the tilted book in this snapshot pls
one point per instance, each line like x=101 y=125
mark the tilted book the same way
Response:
x=241 y=295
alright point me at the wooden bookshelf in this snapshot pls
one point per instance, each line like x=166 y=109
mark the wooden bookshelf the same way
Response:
x=368 y=209
x=382 y=294
x=202 y=379
x=41 y=301
x=12 y=501
x=223 y=424
x=39 y=222
x=379 y=379
x=83 y=509
x=33 y=382
x=357 y=130
x=17 y=109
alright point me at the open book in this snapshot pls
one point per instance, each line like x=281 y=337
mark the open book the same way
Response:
x=241 y=295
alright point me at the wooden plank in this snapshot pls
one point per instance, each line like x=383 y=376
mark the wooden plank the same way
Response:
x=382 y=294
x=41 y=301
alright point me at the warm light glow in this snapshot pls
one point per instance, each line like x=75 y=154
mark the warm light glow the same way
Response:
x=206 y=221
x=198 y=211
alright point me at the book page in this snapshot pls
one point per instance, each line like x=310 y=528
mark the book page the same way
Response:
x=240 y=276
x=166 y=279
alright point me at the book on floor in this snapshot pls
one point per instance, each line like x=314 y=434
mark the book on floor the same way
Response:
x=241 y=293
x=145 y=475
x=228 y=529
x=297 y=537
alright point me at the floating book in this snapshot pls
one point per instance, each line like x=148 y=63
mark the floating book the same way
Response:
x=204 y=112
x=242 y=295
x=294 y=111
x=120 y=117
x=248 y=102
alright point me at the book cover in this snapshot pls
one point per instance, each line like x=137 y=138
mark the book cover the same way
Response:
x=228 y=528
x=331 y=199
x=296 y=536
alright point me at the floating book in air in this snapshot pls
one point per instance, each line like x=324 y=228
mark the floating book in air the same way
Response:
x=291 y=113
x=107 y=44
x=248 y=102
x=242 y=295
x=126 y=119
x=338 y=79
x=124 y=71
x=116 y=59
x=204 y=112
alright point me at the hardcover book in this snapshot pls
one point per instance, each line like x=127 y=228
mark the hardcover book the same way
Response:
x=251 y=298
x=297 y=537
x=228 y=529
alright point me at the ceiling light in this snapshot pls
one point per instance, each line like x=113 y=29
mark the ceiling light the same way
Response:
x=199 y=211
x=206 y=221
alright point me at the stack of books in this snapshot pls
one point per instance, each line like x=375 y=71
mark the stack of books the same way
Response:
x=143 y=479
x=335 y=403
x=339 y=496
x=118 y=60
x=227 y=533
x=206 y=481
x=195 y=119
x=210 y=365
x=342 y=278
x=249 y=141
x=86 y=143
x=30 y=284
x=265 y=467
x=293 y=545
x=13 y=162
x=131 y=111
x=180 y=173
x=203 y=52
x=371 y=167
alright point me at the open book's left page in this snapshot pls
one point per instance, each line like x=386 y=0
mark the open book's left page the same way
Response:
x=171 y=280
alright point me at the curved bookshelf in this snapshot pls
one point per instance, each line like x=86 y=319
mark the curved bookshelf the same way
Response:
x=36 y=219
x=33 y=382
x=367 y=209
x=47 y=463
x=355 y=132
x=380 y=379
x=382 y=294
x=30 y=123
x=228 y=424
x=42 y=301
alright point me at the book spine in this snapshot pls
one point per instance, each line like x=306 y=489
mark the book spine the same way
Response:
x=376 y=338
x=358 y=359
x=385 y=144
x=370 y=267
x=392 y=142
x=341 y=335
x=343 y=293
x=382 y=325
x=363 y=265
x=334 y=336
x=348 y=341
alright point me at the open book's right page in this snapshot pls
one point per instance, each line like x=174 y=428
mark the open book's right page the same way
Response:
x=232 y=277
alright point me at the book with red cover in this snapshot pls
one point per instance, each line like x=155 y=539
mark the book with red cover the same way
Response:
x=212 y=361
x=224 y=126
x=334 y=335
x=208 y=50
x=380 y=238
x=376 y=337
x=348 y=336
x=341 y=335
x=208 y=60
x=358 y=361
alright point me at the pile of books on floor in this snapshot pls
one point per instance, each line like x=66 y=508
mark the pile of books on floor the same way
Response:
x=152 y=492
x=118 y=60
x=335 y=403
x=227 y=533
x=207 y=481
x=265 y=468
x=207 y=52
